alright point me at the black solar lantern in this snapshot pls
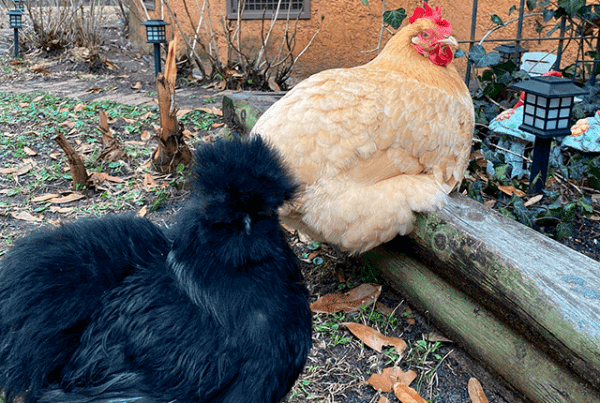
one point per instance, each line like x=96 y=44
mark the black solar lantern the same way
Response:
x=510 y=52
x=546 y=114
x=156 y=34
x=16 y=22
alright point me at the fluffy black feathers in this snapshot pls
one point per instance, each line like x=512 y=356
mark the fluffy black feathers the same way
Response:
x=114 y=310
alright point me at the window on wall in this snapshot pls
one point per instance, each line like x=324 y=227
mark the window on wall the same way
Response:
x=149 y=4
x=256 y=9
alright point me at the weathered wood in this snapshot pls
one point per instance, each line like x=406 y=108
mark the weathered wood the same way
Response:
x=547 y=291
x=242 y=110
x=172 y=149
x=81 y=179
x=520 y=362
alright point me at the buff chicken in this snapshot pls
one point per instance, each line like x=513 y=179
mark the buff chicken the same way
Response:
x=374 y=144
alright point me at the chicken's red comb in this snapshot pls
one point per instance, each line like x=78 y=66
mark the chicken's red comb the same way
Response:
x=435 y=16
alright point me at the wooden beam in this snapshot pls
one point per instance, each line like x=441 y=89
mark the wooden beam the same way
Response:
x=547 y=291
x=521 y=363
x=242 y=110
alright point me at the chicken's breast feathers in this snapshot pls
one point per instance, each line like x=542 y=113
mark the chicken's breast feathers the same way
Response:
x=370 y=125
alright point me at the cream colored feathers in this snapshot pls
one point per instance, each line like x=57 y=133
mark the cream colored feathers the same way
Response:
x=374 y=144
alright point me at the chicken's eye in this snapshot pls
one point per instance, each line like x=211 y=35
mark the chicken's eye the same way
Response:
x=425 y=34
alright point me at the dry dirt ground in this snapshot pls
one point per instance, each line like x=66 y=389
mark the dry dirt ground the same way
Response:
x=339 y=363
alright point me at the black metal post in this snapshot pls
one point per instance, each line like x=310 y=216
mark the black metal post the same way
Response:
x=473 y=30
x=539 y=165
x=16 y=42
x=157 y=68
x=559 y=52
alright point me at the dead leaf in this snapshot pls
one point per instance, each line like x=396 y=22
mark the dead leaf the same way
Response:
x=55 y=155
x=433 y=337
x=25 y=216
x=38 y=98
x=218 y=124
x=149 y=182
x=79 y=107
x=511 y=190
x=273 y=85
x=390 y=376
x=68 y=198
x=373 y=338
x=212 y=111
x=23 y=104
x=407 y=394
x=145 y=136
x=188 y=134
x=476 y=391
x=384 y=309
x=365 y=294
x=23 y=169
x=128 y=120
x=29 y=151
x=142 y=212
x=383 y=399
x=533 y=200
x=137 y=86
x=45 y=197
x=183 y=112
x=100 y=177
x=490 y=203
x=94 y=90
x=40 y=69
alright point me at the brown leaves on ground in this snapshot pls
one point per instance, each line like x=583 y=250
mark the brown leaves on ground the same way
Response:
x=476 y=392
x=365 y=294
x=112 y=149
x=373 y=338
x=389 y=377
x=406 y=394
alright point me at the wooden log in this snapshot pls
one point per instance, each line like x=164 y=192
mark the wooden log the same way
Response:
x=520 y=362
x=547 y=291
x=242 y=110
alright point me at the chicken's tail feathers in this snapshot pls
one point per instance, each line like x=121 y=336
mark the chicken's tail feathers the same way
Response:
x=242 y=173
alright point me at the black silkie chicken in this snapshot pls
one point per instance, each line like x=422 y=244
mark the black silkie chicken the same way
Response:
x=113 y=310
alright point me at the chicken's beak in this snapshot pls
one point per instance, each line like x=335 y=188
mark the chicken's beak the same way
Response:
x=449 y=41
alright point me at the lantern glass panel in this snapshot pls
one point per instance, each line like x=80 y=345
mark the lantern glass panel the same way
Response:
x=15 y=21
x=563 y=123
x=542 y=101
x=554 y=102
x=528 y=119
x=552 y=113
x=566 y=101
x=530 y=98
x=564 y=112
x=551 y=124
x=539 y=123
x=529 y=109
x=540 y=112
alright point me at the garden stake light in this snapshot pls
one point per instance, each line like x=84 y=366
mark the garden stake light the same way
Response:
x=156 y=34
x=16 y=23
x=546 y=114
x=510 y=52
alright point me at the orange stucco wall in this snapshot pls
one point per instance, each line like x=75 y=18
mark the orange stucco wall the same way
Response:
x=350 y=28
